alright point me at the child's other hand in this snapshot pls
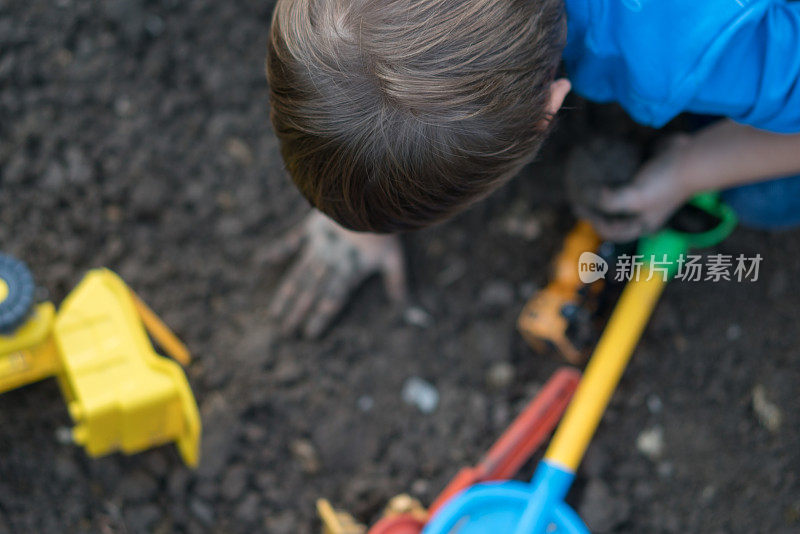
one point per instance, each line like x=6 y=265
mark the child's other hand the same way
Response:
x=659 y=188
x=332 y=263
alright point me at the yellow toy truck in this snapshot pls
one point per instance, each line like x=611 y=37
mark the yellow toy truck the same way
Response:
x=120 y=393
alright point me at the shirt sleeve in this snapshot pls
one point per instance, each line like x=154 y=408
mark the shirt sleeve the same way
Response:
x=659 y=58
x=757 y=80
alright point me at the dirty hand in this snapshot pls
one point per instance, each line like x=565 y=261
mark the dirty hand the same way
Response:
x=332 y=263
x=660 y=187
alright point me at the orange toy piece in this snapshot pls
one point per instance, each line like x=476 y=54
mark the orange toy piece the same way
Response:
x=560 y=314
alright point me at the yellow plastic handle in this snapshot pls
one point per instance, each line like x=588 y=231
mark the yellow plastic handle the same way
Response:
x=604 y=370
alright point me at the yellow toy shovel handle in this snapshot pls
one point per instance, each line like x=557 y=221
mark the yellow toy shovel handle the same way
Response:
x=604 y=370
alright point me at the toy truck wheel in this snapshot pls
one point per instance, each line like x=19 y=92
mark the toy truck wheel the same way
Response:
x=16 y=293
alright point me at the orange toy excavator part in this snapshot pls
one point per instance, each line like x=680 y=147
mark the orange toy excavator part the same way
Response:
x=168 y=341
x=542 y=320
x=520 y=441
x=582 y=238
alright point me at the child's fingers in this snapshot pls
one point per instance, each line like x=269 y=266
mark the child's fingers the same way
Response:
x=619 y=231
x=394 y=277
x=283 y=247
x=309 y=285
x=582 y=211
x=333 y=297
x=622 y=201
x=322 y=316
x=291 y=284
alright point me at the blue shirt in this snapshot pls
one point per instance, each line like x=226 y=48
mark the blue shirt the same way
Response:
x=658 y=58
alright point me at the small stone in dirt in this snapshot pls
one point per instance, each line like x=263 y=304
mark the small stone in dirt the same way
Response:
x=123 y=106
x=365 y=403
x=156 y=463
x=108 y=473
x=149 y=196
x=287 y=371
x=666 y=469
x=255 y=346
x=500 y=376
x=266 y=481
x=421 y=394
x=128 y=14
x=601 y=510
x=239 y=151
x=219 y=435
x=202 y=511
x=138 y=486
x=234 y=482
x=524 y=225
x=527 y=290
x=654 y=404
x=452 y=273
x=177 y=483
x=154 y=25
x=15 y=169
x=225 y=200
x=416 y=316
x=54 y=177
x=420 y=487
x=768 y=413
x=248 y=510
x=651 y=442
x=305 y=453
x=778 y=284
x=230 y=226
x=65 y=468
x=643 y=490
x=681 y=343
x=708 y=494
x=280 y=523
x=79 y=170
x=733 y=332
x=497 y=294
x=114 y=213
x=142 y=518
x=254 y=433
x=206 y=489
x=501 y=414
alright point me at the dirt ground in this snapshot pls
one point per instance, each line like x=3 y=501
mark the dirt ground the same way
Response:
x=134 y=135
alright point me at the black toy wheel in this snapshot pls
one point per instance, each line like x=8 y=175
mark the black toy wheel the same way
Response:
x=16 y=293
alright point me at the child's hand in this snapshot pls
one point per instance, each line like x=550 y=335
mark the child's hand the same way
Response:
x=333 y=262
x=659 y=188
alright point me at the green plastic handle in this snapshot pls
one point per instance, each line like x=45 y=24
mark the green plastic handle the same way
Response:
x=669 y=244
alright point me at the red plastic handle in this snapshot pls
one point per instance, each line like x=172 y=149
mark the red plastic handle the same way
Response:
x=521 y=439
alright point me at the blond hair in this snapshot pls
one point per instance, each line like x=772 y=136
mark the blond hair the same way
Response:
x=394 y=114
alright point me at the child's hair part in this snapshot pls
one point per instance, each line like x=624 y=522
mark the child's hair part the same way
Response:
x=395 y=114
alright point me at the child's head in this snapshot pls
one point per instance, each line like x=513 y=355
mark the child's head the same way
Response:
x=394 y=114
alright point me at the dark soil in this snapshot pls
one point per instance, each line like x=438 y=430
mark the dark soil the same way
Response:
x=134 y=135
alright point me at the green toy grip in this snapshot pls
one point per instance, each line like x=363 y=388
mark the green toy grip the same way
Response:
x=703 y=222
